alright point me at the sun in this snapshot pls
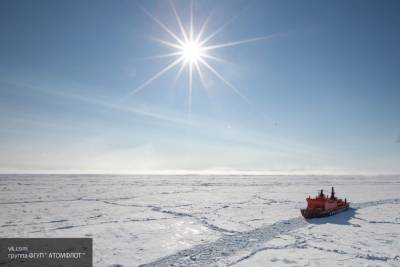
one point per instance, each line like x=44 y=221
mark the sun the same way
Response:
x=192 y=50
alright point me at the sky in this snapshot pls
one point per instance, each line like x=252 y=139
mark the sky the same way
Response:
x=315 y=88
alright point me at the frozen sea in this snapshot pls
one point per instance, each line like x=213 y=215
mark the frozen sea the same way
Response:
x=208 y=220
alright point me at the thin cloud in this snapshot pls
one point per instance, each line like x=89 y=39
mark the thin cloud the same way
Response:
x=104 y=104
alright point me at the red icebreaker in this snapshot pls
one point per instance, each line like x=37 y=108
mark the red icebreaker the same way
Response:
x=323 y=206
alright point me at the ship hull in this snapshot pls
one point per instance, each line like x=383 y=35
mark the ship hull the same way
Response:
x=309 y=214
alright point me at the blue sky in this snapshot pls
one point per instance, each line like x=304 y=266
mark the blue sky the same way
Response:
x=323 y=91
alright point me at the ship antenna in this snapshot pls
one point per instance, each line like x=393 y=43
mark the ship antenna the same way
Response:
x=333 y=193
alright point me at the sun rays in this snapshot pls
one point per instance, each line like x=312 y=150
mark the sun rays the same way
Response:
x=192 y=51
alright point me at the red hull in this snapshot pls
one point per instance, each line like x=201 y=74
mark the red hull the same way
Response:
x=309 y=214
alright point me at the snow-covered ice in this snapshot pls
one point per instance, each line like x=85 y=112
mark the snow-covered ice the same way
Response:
x=208 y=220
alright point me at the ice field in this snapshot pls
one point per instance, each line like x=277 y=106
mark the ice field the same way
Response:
x=208 y=220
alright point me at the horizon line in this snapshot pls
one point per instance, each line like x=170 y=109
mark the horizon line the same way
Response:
x=191 y=172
